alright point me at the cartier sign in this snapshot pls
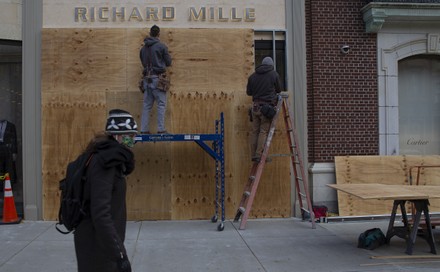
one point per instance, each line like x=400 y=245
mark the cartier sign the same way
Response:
x=165 y=13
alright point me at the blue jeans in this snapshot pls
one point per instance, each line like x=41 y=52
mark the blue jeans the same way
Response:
x=151 y=94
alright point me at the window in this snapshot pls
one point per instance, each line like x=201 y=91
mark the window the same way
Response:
x=272 y=44
x=419 y=105
x=11 y=114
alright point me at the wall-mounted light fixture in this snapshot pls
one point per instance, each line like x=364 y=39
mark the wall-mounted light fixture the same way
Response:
x=345 y=49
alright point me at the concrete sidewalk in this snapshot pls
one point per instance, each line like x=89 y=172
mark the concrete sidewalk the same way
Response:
x=266 y=245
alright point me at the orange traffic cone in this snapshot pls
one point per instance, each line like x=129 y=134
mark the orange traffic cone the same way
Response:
x=9 y=211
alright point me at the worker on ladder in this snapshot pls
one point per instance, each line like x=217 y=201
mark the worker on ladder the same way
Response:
x=263 y=85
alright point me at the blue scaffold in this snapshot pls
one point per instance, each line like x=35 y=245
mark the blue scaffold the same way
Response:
x=216 y=152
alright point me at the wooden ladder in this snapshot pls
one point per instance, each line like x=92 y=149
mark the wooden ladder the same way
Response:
x=301 y=182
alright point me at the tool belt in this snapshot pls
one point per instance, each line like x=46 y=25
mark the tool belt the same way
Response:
x=267 y=109
x=149 y=75
x=163 y=83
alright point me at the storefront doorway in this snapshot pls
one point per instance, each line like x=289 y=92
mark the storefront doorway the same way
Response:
x=11 y=118
x=419 y=105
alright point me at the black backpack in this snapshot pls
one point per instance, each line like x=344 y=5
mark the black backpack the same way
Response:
x=74 y=204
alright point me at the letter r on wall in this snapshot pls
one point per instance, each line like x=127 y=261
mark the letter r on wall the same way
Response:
x=81 y=12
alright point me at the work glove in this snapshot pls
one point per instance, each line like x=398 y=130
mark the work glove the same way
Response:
x=124 y=264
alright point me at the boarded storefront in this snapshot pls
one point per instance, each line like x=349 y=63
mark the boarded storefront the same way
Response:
x=87 y=72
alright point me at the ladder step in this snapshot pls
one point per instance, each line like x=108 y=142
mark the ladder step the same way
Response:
x=306 y=210
x=299 y=172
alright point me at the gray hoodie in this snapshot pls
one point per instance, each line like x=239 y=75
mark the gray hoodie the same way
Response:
x=155 y=54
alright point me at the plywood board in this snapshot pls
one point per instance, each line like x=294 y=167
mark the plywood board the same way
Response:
x=66 y=130
x=87 y=72
x=432 y=191
x=392 y=170
x=381 y=191
x=210 y=59
x=149 y=186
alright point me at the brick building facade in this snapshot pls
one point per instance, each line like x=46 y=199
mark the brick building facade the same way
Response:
x=342 y=86
x=354 y=96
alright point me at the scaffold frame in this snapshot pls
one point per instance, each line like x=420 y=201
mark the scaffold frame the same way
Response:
x=216 y=152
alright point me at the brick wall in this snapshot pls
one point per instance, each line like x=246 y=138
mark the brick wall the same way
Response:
x=342 y=88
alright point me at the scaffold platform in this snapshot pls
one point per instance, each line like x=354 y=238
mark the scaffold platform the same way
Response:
x=216 y=152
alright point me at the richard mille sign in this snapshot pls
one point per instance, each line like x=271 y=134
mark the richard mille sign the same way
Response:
x=165 y=13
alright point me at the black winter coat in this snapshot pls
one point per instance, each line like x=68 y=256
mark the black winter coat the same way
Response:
x=99 y=239
x=264 y=84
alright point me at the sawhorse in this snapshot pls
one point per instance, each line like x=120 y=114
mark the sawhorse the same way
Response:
x=405 y=231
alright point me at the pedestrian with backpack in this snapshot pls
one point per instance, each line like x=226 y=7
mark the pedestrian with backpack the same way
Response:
x=99 y=237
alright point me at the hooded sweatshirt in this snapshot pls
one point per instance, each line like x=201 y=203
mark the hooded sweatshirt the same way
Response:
x=264 y=84
x=155 y=54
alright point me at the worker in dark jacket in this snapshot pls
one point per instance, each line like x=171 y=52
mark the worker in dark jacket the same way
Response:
x=263 y=85
x=99 y=238
x=155 y=58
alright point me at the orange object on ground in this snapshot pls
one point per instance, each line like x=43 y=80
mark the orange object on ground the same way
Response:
x=9 y=211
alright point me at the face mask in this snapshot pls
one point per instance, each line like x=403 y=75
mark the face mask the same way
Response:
x=128 y=141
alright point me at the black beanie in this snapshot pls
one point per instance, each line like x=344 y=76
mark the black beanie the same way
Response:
x=154 y=31
x=120 y=122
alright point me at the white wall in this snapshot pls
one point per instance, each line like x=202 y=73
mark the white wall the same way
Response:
x=323 y=174
x=10 y=17
x=268 y=14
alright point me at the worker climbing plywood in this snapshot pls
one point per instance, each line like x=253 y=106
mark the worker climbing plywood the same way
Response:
x=86 y=72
